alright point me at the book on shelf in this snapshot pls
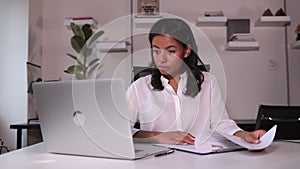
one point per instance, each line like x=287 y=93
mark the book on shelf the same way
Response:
x=242 y=37
x=81 y=20
x=147 y=16
x=213 y=13
x=148 y=7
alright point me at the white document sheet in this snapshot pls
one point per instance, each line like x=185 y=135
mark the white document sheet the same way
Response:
x=222 y=142
x=265 y=140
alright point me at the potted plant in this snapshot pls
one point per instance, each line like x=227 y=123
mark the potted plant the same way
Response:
x=82 y=41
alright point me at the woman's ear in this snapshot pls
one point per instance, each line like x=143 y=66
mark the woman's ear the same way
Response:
x=188 y=51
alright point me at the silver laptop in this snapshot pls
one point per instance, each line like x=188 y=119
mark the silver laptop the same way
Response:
x=88 y=117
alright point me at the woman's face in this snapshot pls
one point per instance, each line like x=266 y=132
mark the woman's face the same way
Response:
x=168 y=55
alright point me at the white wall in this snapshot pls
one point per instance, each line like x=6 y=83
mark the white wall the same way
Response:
x=35 y=31
x=253 y=77
x=56 y=37
x=35 y=49
x=13 y=47
x=293 y=54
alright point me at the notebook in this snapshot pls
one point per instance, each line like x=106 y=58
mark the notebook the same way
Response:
x=89 y=118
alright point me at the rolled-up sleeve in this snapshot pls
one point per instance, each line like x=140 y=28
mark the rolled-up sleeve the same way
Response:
x=220 y=120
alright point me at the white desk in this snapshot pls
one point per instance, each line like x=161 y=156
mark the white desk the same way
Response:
x=279 y=155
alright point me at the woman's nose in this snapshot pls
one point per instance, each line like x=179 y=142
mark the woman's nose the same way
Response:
x=162 y=57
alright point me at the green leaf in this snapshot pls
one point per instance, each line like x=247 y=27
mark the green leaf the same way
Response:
x=86 y=52
x=93 y=62
x=87 y=30
x=77 y=43
x=92 y=69
x=77 y=30
x=66 y=71
x=80 y=64
x=95 y=36
x=74 y=69
x=79 y=76
x=72 y=56
x=75 y=58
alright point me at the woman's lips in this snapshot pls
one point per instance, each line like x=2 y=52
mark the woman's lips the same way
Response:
x=163 y=68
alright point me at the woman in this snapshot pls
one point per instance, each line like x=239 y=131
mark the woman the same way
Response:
x=179 y=101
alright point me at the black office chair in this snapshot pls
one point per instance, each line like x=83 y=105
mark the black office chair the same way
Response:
x=3 y=147
x=287 y=119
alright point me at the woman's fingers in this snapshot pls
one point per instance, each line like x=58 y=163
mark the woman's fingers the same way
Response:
x=253 y=137
x=187 y=138
x=176 y=137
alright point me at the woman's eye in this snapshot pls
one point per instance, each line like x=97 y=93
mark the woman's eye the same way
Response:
x=171 y=52
x=155 y=51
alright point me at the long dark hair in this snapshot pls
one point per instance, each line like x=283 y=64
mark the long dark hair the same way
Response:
x=179 y=30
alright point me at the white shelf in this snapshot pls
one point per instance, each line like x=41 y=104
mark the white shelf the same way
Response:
x=211 y=21
x=81 y=21
x=273 y=21
x=242 y=45
x=113 y=46
x=295 y=45
x=146 y=21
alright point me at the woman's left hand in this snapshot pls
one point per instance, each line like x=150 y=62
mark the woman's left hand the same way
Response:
x=251 y=137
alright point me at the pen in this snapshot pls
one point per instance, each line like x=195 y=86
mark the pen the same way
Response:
x=164 y=153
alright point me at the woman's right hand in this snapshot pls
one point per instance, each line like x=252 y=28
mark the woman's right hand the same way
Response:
x=173 y=137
